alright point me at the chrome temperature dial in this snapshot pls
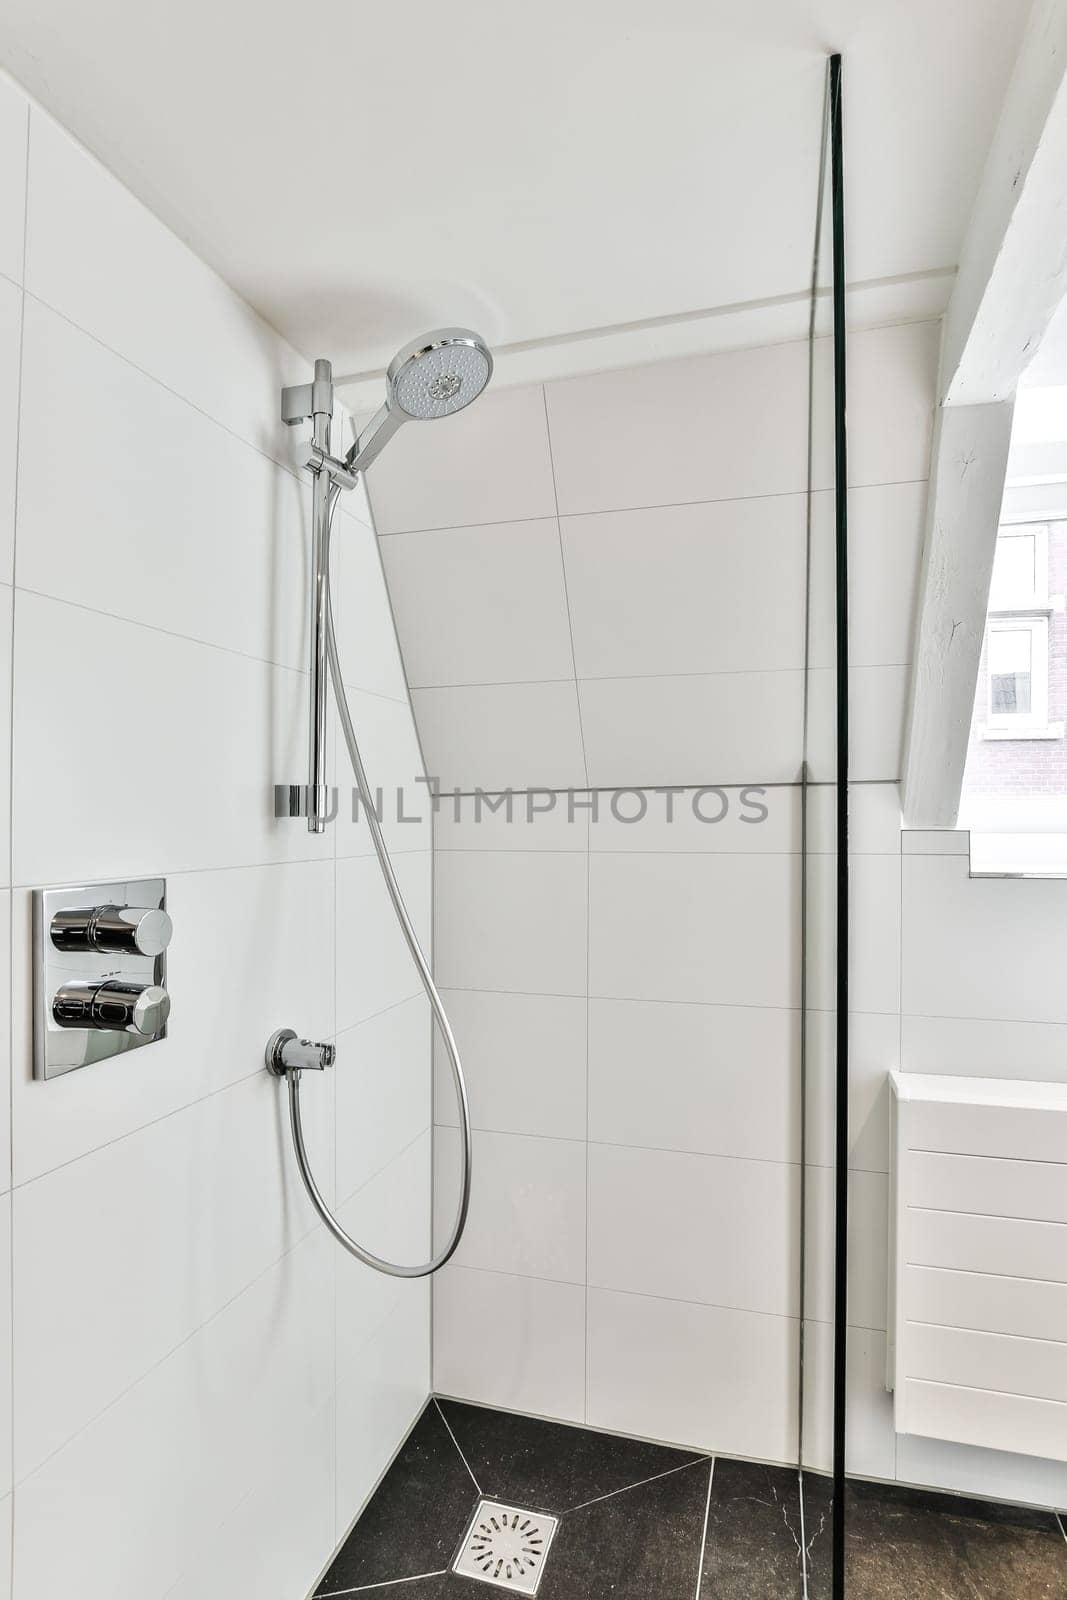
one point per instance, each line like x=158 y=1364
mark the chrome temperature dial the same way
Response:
x=114 y=1006
x=113 y=930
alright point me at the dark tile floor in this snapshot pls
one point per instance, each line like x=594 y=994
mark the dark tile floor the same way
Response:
x=637 y=1522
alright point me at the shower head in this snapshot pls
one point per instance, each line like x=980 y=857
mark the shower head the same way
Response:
x=434 y=376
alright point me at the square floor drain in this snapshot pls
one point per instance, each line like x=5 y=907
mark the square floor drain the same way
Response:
x=506 y=1547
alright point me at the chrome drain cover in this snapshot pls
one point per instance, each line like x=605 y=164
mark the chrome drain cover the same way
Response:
x=506 y=1547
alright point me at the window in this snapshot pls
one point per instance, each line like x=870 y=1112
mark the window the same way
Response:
x=1017 y=633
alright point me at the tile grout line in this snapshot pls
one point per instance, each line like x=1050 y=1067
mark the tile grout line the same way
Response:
x=704 y=1535
x=622 y=511
x=659 y=677
x=366 y=1588
x=566 y=587
x=455 y=1441
x=1063 y=1525
x=640 y=1484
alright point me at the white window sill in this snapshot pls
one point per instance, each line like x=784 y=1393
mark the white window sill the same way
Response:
x=1053 y=730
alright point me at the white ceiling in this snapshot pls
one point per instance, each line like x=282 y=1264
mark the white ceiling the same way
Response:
x=359 y=171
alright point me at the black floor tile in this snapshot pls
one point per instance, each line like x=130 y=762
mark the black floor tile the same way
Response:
x=753 y=1545
x=416 y=1519
x=908 y=1544
x=548 y=1466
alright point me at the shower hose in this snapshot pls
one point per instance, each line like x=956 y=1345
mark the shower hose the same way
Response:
x=411 y=938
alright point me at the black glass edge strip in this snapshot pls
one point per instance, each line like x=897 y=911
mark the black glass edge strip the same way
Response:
x=837 y=198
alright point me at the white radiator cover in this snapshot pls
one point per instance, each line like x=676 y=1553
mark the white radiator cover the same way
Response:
x=977 y=1347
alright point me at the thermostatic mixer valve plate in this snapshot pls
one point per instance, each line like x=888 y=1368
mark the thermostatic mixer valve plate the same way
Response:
x=99 y=972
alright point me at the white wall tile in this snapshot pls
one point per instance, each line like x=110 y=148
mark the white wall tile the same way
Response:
x=727 y=1078
x=383 y=1089
x=724 y=728
x=481 y=605
x=702 y=1376
x=6 y=1361
x=873 y=819
x=751 y=819
x=389 y=749
x=206 y=1401
x=508 y=1341
x=7 y=1019
x=959 y=930
x=205 y=736
x=713 y=587
x=885 y=539
x=492 y=737
x=524 y=1057
x=874 y=945
x=14 y=124
x=873 y=1052
x=985 y=1048
x=145 y=1240
x=514 y=921
x=877 y=704
x=391 y=1216
x=7 y=1506
x=868 y=1246
x=527 y=1210
x=377 y=1406
x=219 y=553
x=892 y=378
x=6 y=626
x=521 y=820
x=374 y=966
x=648 y=1207
x=963 y=1469
x=489 y=463
x=935 y=842
x=870 y=1442
x=281 y=1532
x=673 y=927
x=717 y=427
x=10 y=345
x=366 y=634
x=278 y=923
x=98 y=256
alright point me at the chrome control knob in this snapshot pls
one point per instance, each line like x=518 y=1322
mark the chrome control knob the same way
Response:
x=113 y=930
x=115 y=1006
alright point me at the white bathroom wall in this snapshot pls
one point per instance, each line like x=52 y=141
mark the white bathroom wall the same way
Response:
x=601 y=583
x=203 y=1392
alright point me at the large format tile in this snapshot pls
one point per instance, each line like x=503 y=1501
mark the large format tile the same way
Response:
x=390 y=1216
x=873 y=1052
x=727 y=1078
x=877 y=698
x=527 y=1210
x=685 y=928
x=716 y=427
x=718 y=728
x=754 y=819
x=383 y=1090
x=481 y=605
x=538 y=819
x=874 y=933
x=206 y=735
x=892 y=394
x=392 y=762
x=415 y=1520
x=206 y=1401
x=648 y=1207
x=374 y=966
x=107 y=1285
x=870 y=1437
x=515 y=922
x=694 y=588
x=529 y=1461
x=366 y=633
x=695 y=1375
x=885 y=535
x=959 y=929
x=510 y=1341
x=755 y=1534
x=905 y=1544
x=524 y=1059
x=14 y=124
x=100 y=257
x=983 y=1047
x=279 y=925
x=10 y=345
x=489 y=463
x=868 y=1246
x=218 y=553
x=501 y=736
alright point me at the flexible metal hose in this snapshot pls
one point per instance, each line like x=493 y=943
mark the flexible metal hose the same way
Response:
x=411 y=938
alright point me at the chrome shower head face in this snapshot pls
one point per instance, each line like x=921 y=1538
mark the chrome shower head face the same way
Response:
x=439 y=373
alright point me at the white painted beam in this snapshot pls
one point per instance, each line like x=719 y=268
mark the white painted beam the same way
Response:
x=966 y=487
x=1013 y=265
